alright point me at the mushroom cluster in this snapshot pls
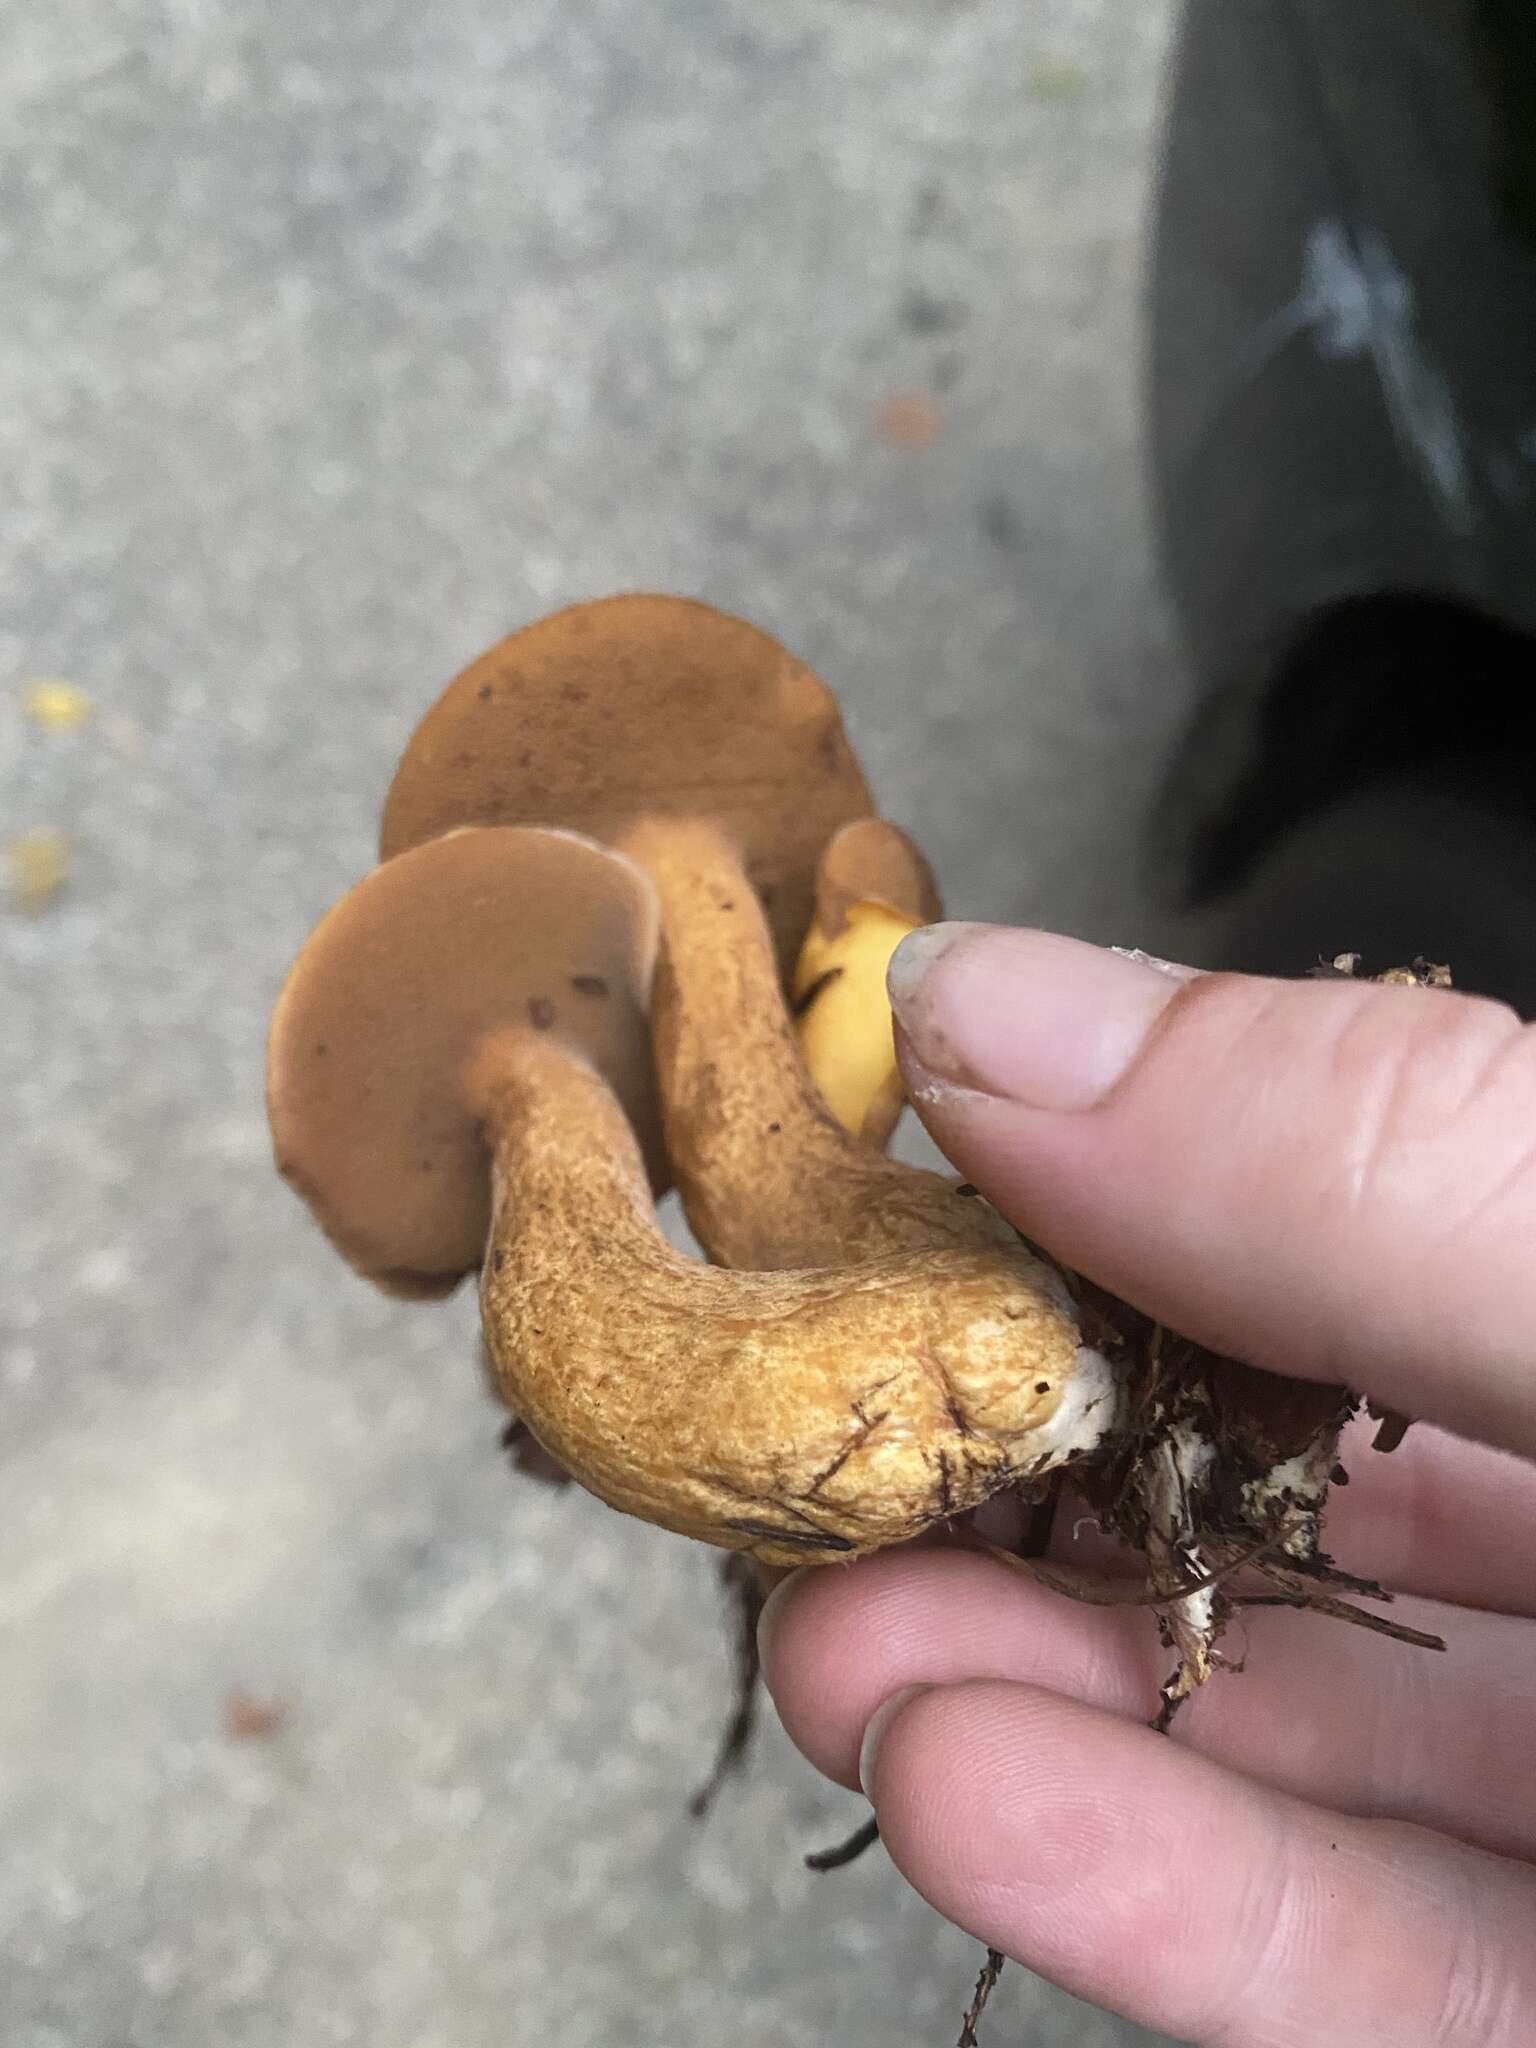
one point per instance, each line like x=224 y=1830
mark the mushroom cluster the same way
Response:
x=629 y=930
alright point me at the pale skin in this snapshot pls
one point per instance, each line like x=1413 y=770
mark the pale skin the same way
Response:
x=1336 y=1849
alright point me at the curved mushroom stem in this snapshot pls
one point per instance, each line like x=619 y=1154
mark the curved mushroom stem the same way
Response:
x=1216 y=1454
x=798 y=1415
x=768 y=1176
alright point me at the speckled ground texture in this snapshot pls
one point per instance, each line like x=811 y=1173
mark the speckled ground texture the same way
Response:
x=336 y=340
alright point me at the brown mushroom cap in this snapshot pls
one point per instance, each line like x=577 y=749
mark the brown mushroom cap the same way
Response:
x=369 y=1088
x=874 y=861
x=640 y=707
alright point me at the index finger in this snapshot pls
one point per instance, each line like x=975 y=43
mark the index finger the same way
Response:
x=1329 y=1179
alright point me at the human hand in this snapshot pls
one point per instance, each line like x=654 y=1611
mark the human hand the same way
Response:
x=1337 y=1180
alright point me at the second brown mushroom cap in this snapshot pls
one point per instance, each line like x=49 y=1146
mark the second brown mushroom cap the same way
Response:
x=698 y=746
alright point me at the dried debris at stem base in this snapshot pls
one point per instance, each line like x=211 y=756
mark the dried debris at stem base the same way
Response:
x=527 y=1454
x=747 y=1598
x=1391 y=1427
x=986 y=1984
x=843 y=1853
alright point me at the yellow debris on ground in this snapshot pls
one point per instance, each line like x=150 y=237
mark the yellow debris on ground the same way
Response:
x=38 y=864
x=57 y=706
x=1057 y=78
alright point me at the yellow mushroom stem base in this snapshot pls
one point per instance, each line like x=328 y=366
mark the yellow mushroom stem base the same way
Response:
x=843 y=1017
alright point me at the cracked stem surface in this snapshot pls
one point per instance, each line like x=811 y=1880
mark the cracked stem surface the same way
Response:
x=800 y=1415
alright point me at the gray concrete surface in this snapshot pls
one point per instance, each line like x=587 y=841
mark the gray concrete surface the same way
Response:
x=334 y=341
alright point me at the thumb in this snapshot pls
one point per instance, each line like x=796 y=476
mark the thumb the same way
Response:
x=1330 y=1179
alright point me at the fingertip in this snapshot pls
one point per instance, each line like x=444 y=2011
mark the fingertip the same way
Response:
x=1028 y=1016
x=780 y=1596
x=837 y=1642
x=878 y=1726
x=841 y=1641
x=1055 y=1832
x=834 y=1644
x=1183 y=1895
x=996 y=1802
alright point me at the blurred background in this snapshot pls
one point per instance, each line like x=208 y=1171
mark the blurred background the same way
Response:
x=335 y=342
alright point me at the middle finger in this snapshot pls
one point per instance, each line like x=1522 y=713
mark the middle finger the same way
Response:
x=1354 y=1720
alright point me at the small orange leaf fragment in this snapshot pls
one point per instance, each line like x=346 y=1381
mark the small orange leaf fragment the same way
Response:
x=247 y=1719
x=38 y=864
x=909 y=420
